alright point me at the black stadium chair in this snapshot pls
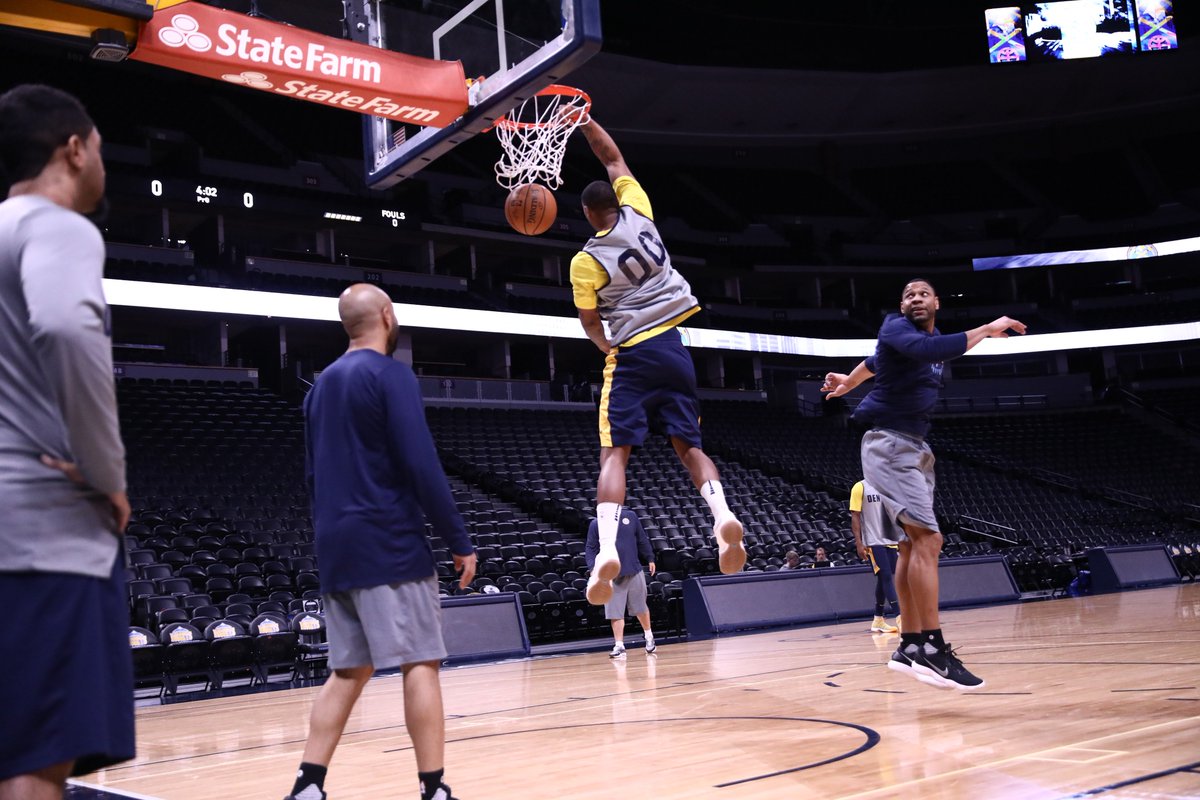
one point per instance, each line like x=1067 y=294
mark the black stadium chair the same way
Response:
x=147 y=658
x=312 y=649
x=275 y=645
x=229 y=651
x=185 y=655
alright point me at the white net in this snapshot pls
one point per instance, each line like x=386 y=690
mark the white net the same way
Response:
x=533 y=137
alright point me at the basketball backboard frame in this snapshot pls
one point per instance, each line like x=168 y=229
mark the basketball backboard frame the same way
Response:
x=388 y=162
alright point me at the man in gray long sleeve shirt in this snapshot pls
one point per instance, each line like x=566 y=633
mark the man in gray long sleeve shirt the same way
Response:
x=68 y=699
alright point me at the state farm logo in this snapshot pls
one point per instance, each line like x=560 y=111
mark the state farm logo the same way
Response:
x=242 y=58
x=242 y=45
x=184 y=30
x=255 y=80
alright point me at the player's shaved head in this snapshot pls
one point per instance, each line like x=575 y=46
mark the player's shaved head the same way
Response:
x=359 y=308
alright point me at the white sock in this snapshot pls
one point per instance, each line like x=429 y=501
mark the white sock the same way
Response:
x=649 y=637
x=714 y=495
x=608 y=517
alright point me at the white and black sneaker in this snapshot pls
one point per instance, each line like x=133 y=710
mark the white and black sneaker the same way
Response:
x=650 y=645
x=311 y=792
x=618 y=651
x=442 y=793
x=900 y=662
x=948 y=669
x=910 y=661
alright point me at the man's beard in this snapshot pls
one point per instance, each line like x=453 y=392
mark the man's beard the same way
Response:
x=392 y=340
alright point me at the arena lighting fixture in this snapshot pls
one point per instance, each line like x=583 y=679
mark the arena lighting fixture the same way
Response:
x=342 y=217
x=214 y=300
x=109 y=45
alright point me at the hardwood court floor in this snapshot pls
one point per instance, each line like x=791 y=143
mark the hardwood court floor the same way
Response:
x=1081 y=694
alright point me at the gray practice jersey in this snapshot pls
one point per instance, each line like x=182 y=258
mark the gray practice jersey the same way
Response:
x=56 y=393
x=643 y=289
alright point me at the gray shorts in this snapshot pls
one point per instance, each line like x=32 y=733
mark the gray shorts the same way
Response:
x=899 y=467
x=629 y=597
x=385 y=626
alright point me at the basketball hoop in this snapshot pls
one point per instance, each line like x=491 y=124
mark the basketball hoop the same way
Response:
x=534 y=136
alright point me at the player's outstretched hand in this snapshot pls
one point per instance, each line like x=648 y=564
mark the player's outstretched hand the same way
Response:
x=466 y=566
x=836 y=385
x=998 y=329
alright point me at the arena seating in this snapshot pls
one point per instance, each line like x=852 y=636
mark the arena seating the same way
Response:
x=222 y=533
x=1105 y=450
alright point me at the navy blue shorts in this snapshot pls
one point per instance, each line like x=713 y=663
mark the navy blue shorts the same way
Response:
x=649 y=386
x=67 y=694
x=883 y=557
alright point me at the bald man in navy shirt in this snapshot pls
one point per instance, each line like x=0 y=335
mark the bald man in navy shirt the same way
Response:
x=374 y=478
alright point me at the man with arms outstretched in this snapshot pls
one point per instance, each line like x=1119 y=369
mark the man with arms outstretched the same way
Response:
x=897 y=462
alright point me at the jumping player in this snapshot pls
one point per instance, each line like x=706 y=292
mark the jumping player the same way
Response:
x=624 y=276
x=907 y=366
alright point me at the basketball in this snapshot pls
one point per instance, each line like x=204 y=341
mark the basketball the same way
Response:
x=530 y=209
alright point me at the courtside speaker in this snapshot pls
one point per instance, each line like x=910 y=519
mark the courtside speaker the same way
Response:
x=1115 y=569
x=485 y=626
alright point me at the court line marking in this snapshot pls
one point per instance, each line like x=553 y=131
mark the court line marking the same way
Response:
x=1103 y=755
x=110 y=790
x=872 y=739
x=1133 y=781
x=893 y=789
x=571 y=708
x=786 y=674
x=222 y=705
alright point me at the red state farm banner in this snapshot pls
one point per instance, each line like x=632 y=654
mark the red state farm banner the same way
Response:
x=293 y=62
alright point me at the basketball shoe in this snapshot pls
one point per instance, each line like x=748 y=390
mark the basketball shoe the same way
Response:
x=600 y=582
x=311 y=792
x=900 y=662
x=650 y=645
x=880 y=625
x=617 y=651
x=904 y=660
x=946 y=667
x=731 y=553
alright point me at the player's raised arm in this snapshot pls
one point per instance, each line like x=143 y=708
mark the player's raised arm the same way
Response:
x=606 y=150
x=836 y=384
x=996 y=329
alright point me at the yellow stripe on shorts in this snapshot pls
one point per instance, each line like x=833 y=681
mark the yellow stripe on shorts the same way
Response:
x=610 y=367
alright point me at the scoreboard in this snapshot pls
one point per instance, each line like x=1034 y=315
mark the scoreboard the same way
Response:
x=244 y=198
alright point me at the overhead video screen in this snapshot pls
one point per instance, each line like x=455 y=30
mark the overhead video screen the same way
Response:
x=1081 y=29
x=1078 y=29
x=1156 y=25
x=1006 y=34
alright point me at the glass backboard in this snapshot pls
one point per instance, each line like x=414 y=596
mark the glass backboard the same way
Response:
x=509 y=51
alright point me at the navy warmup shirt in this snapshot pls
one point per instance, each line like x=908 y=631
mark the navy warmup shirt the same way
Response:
x=374 y=476
x=908 y=374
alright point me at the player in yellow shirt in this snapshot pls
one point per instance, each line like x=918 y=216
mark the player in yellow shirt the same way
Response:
x=867 y=521
x=623 y=276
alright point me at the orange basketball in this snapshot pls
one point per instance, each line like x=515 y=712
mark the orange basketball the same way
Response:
x=530 y=209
